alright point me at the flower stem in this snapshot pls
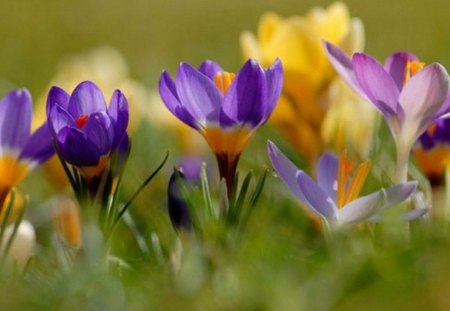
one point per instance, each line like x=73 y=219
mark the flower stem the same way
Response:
x=401 y=173
x=227 y=170
x=446 y=211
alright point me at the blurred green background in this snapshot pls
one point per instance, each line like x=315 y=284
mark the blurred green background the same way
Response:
x=154 y=35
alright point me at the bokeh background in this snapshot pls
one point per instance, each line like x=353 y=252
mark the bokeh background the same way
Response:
x=153 y=35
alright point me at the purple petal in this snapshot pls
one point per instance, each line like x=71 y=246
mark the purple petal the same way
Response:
x=316 y=197
x=59 y=118
x=362 y=208
x=274 y=76
x=414 y=214
x=39 y=147
x=327 y=171
x=99 y=130
x=76 y=149
x=397 y=194
x=342 y=63
x=246 y=100
x=57 y=96
x=198 y=95
x=191 y=167
x=121 y=156
x=396 y=65
x=168 y=93
x=376 y=83
x=15 y=119
x=210 y=68
x=444 y=111
x=424 y=94
x=118 y=112
x=86 y=99
x=285 y=169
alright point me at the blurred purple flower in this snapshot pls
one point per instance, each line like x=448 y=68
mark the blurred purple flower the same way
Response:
x=20 y=151
x=85 y=130
x=226 y=109
x=332 y=197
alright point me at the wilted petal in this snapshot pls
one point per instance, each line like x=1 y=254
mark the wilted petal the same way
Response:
x=396 y=65
x=316 y=198
x=39 y=147
x=168 y=92
x=198 y=95
x=210 y=68
x=376 y=83
x=327 y=171
x=424 y=94
x=99 y=130
x=76 y=148
x=118 y=111
x=362 y=208
x=15 y=119
x=245 y=101
x=274 y=76
x=86 y=99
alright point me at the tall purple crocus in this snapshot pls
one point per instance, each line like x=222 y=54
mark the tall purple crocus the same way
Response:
x=409 y=94
x=84 y=129
x=226 y=109
x=334 y=196
x=20 y=151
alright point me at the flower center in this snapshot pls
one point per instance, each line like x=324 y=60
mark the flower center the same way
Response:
x=412 y=67
x=227 y=142
x=223 y=81
x=348 y=188
x=81 y=121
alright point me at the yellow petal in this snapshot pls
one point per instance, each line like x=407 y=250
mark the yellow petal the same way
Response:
x=268 y=23
x=250 y=47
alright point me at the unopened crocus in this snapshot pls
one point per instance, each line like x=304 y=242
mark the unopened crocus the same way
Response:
x=225 y=108
x=20 y=151
x=86 y=132
x=306 y=100
x=335 y=194
x=409 y=94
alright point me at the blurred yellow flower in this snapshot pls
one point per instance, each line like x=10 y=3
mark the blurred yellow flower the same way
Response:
x=297 y=41
x=108 y=69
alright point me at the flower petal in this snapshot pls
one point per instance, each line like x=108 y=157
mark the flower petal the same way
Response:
x=424 y=94
x=414 y=214
x=246 y=100
x=99 y=130
x=86 y=99
x=57 y=96
x=396 y=65
x=118 y=112
x=210 y=68
x=39 y=147
x=397 y=194
x=317 y=199
x=274 y=76
x=198 y=95
x=59 y=118
x=76 y=148
x=327 y=171
x=15 y=119
x=168 y=93
x=376 y=83
x=362 y=208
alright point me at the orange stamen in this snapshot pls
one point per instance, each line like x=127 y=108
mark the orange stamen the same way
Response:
x=223 y=81
x=357 y=182
x=345 y=167
x=412 y=68
x=81 y=121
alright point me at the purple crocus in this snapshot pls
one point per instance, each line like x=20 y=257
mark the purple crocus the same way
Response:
x=409 y=94
x=226 y=109
x=20 y=151
x=334 y=196
x=84 y=129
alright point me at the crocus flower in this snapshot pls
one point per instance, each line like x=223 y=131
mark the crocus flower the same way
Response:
x=109 y=69
x=84 y=129
x=409 y=94
x=432 y=150
x=306 y=98
x=224 y=108
x=335 y=195
x=20 y=152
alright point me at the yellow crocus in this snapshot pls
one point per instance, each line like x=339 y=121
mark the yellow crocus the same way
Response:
x=297 y=41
